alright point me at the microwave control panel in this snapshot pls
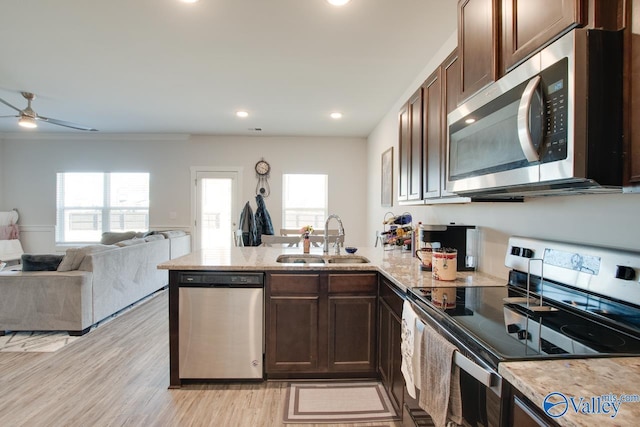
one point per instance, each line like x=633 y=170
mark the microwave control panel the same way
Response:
x=554 y=109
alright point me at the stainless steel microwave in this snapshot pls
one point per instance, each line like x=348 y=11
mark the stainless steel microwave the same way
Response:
x=551 y=125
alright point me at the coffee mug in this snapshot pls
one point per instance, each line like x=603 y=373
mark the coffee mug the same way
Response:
x=424 y=254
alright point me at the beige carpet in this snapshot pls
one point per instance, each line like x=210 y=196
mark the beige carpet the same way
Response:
x=337 y=402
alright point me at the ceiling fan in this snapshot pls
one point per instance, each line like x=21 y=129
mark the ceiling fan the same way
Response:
x=29 y=118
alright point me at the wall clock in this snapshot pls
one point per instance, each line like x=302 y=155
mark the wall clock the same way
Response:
x=262 y=171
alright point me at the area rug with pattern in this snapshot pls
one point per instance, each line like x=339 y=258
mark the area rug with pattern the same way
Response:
x=337 y=402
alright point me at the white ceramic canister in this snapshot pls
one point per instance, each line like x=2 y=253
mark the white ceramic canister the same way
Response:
x=444 y=263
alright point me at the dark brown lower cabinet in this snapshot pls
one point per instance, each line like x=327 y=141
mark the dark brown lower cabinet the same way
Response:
x=522 y=412
x=390 y=341
x=321 y=325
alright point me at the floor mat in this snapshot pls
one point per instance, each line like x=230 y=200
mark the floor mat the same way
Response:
x=337 y=402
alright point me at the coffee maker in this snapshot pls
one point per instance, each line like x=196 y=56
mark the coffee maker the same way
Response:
x=463 y=238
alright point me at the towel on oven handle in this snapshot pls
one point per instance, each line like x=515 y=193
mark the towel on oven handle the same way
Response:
x=410 y=357
x=439 y=381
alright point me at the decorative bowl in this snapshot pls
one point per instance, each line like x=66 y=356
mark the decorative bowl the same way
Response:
x=351 y=249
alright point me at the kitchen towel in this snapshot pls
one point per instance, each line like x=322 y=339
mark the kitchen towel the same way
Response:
x=407 y=346
x=439 y=379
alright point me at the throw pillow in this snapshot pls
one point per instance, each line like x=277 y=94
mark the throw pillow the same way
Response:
x=74 y=256
x=40 y=262
x=72 y=259
x=111 y=237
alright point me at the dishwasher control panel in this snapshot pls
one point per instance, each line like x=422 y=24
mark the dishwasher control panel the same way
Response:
x=230 y=279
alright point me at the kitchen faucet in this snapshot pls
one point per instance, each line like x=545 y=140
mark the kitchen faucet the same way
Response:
x=325 y=245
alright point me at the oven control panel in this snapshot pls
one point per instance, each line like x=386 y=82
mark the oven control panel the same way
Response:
x=614 y=273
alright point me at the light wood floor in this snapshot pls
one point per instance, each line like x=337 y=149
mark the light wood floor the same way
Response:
x=118 y=375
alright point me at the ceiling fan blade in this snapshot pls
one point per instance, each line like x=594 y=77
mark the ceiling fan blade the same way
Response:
x=4 y=117
x=65 y=124
x=9 y=105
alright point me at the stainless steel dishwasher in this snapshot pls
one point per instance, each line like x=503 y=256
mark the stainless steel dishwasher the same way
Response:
x=221 y=325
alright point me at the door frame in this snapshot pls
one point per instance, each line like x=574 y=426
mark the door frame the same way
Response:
x=235 y=195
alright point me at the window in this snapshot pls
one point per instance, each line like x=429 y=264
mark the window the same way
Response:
x=89 y=204
x=304 y=200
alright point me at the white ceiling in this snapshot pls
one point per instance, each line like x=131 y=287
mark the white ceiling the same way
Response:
x=161 y=66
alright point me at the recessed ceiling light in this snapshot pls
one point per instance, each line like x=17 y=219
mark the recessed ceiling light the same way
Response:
x=338 y=2
x=470 y=120
x=336 y=115
x=189 y=1
x=242 y=114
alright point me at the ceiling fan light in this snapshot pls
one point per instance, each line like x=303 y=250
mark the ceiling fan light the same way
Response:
x=27 y=122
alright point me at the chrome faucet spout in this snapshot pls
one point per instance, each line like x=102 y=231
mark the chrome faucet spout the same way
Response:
x=325 y=240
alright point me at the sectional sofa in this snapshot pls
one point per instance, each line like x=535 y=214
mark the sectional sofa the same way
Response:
x=90 y=284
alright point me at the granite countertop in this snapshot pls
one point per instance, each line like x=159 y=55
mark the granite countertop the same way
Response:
x=593 y=380
x=399 y=266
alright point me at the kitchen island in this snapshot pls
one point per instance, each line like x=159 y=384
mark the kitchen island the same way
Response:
x=327 y=287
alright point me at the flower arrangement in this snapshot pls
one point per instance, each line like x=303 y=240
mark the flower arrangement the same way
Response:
x=306 y=231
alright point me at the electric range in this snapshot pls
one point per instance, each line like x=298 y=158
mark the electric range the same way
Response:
x=560 y=300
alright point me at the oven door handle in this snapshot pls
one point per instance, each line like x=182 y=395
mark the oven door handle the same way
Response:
x=483 y=376
x=524 y=135
x=487 y=377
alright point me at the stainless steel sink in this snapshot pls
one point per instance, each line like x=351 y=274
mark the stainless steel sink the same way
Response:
x=347 y=259
x=300 y=259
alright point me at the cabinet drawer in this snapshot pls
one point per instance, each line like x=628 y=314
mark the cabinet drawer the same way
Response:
x=390 y=295
x=348 y=283
x=294 y=284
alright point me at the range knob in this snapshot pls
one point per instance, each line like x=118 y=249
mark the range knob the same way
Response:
x=527 y=253
x=625 y=273
x=524 y=334
x=523 y=252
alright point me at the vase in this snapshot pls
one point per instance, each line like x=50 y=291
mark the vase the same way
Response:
x=306 y=244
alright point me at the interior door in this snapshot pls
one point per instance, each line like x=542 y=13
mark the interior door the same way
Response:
x=216 y=211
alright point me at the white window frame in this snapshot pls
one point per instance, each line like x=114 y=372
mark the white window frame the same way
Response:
x=105 y=210
x=318 y=223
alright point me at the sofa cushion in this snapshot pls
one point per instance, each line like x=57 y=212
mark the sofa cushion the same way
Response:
x=40 y=262
x=112 y=237
x=152 y=237
x=74 y=256
x=130 y=242
x=170 y=234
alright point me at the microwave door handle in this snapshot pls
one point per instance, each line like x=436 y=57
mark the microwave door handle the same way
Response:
x=524 y=136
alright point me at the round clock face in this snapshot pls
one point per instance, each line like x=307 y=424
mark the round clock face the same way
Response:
x=262 y=167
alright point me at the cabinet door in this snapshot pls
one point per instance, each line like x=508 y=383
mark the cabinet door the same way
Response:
x=397 y=380
x=433 y=146
x=384 y=344
x=452 y=97
x=404 y=155
x=524 y=416
x=477 y=39
x=292 y=341
x=415 y=161
x=292 y=322
x=352 y=333
x=528 y=25
x=632 y=91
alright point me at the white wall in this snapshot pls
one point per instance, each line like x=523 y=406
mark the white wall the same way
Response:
x=30 y=163
x=608 y=220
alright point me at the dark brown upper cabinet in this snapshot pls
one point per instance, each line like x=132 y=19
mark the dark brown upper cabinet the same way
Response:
x=432 y=134
x=410 y=141
x=632 y=94
x=528 y=25
x=478 y=35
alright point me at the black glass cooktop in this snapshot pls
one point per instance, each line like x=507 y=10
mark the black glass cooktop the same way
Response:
x=497 y=321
